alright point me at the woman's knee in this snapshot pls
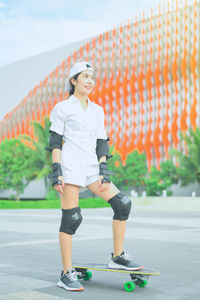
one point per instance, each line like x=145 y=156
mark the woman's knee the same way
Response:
x=119 y=202
x=71 y=212
x=71 y=220
x=121 y=205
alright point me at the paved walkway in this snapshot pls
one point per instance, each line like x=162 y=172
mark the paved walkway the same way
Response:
x=166 y=241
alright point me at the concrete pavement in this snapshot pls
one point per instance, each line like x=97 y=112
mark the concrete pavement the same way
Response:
x=166 y=241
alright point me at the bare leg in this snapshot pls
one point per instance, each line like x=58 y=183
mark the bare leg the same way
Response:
x=66 y=250
x=119 y=229
x=68 y=200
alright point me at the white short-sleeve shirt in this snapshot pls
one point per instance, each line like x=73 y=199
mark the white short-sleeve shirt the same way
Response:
x=80 y=129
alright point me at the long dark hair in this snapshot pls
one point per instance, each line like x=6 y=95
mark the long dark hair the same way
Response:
x=73 y=88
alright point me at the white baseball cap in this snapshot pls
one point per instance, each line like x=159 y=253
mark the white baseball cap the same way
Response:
x=77 y=68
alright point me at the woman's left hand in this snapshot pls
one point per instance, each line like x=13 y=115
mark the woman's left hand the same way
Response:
x=103 y=186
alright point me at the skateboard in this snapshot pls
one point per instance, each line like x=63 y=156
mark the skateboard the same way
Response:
x=138 y=277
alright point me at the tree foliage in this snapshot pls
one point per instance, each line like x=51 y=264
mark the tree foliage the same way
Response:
x=159 y=180
x=188 y=169
x=15 y=163
x=132 y=174
x=41 y=166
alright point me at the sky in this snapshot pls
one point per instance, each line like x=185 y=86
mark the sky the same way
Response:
x=30 y=27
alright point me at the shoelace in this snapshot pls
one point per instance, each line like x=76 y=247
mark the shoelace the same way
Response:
x=78 y=273
x=126 y=256
x=72 y=276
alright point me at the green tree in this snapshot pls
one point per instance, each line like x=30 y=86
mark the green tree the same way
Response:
x=132 y=174
x=15 y=162
x=115 y=165
x=188 y=168
x=153 y=183
x=135 y=170
x=159 y=180
x=41 y=166
x=168 y=171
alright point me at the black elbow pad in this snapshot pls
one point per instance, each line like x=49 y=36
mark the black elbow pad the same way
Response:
x=55 y=140
x=102 y=148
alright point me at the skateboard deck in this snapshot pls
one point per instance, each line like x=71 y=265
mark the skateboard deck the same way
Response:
x=138 y=277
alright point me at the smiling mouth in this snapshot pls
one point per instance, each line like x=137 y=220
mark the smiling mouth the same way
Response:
x=88 y=87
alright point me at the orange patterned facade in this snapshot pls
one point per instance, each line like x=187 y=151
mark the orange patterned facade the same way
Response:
x=148 y=82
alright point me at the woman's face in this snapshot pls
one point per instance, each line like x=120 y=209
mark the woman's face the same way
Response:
x=85 y=82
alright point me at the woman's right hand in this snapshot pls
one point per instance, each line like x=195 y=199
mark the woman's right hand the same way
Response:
x=103 y=186
x=59 y=187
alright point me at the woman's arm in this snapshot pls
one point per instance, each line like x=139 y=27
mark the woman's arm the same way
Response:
x=56 y=155
x=56 y=130
x=102 y=159
x=55 y=143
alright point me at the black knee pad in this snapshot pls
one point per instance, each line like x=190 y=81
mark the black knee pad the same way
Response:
x=121 y=206
x=71 y=219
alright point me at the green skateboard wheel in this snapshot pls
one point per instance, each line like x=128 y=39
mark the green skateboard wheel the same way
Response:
x=143 y=283
x=88 y=275
x=129 y=286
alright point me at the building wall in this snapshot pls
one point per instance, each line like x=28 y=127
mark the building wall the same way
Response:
x=19 y=78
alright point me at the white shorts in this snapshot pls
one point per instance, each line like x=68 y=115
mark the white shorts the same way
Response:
x=78 y=178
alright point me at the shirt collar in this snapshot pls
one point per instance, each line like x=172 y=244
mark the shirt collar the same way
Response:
x=75 y=99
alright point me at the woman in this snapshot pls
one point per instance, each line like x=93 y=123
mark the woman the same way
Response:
x=79 y=163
